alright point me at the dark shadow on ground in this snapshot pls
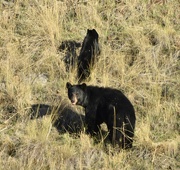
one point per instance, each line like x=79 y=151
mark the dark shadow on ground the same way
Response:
x=64 y=118
x=70 y=47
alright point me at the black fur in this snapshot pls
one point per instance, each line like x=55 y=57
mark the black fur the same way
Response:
x=106 y=105
x=88 y=54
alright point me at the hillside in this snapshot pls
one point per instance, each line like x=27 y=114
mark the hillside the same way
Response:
x=140 y=55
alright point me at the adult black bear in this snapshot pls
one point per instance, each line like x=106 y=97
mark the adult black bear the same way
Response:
x=106 y=105
x=89 y=51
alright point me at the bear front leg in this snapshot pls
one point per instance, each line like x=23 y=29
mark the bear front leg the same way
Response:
x=92 y=128
x=90 y=120
x=129 y=126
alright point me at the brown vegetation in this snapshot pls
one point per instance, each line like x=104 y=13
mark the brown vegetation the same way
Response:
x=140 y=55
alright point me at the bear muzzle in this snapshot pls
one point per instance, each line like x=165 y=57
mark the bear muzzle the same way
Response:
x=74 y=100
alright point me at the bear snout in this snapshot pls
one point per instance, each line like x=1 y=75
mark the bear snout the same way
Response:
x=74 y=100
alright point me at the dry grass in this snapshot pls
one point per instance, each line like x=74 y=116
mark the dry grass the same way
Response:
x=140 y=44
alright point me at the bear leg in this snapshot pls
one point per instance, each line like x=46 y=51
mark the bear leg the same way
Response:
x=128 y=134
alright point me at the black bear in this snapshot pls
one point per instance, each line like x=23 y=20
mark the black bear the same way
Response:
x=106 y=105
x=70 y=57
x=89 y=51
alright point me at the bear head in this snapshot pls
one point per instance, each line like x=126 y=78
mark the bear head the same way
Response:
x=93 y=34
x=76 y=93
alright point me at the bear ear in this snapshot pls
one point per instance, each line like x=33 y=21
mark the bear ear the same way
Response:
x=68 y=85
x=88 y=31
x=83 y=86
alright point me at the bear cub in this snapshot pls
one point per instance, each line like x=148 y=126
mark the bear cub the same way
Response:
x=88 y=53
x=105 y=105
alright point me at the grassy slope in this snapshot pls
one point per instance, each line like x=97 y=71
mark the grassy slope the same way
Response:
x=140 y=55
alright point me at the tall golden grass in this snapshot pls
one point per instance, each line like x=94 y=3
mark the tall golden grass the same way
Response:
x=140 y=44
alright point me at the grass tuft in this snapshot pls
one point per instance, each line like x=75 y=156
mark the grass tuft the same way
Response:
x=140 y=52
